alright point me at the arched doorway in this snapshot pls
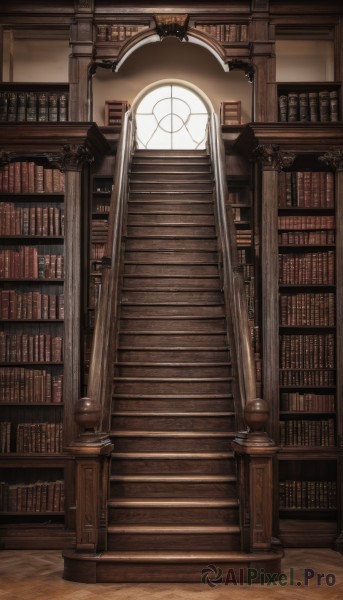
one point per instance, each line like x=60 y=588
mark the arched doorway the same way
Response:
x=171 y=116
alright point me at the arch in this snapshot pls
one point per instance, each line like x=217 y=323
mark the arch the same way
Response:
x=194 y=36
x=171 y=113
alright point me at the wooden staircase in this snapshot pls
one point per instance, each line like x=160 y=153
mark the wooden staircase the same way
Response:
x=173 y=504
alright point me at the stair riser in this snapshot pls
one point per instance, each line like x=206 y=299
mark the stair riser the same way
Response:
x=178 y=245
x=178 y=516
x=169 y=167
x=160 y=230
x=179 y=270
x=202 y=208
x=173 y=466
x=171 y=196
x=172 y=387
x=189 y=542
x=169 y=444
x=152 y=220
x=161 y=257
x=173 y=423
x=172 y=490
x=174 y=404
x=165 y=324
x=182 y=371
x=175 y=186
x=170 y=311
x=171 y=174
x=170 y=283
x=176 y=355
x=193 y=297
x=187 y=340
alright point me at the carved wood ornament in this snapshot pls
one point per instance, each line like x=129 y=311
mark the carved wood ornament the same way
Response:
x=172 y=25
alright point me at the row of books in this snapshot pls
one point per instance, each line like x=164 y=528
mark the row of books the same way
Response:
x=97 y=251
x=309 y=106
x=307 y=309
x=31 y=220
x=307 y=222
x=240 y=214
x=307 y=378
x=94 y=290
x=30 y=306
x=26 y=263
x=226 y=32
x=30 y=348
x=308 y=494
x=249 y=288
x=27 y=177
x=38 y=497
x=33 y=107
x=294 y=401
x=243 y=255
x=307 y=351
x=118 y=33
x=102 y=208
x=307 y=238
x=32 y=437
x=234 y=197
x=22 y=385
x=306 y=432
x=311 y=268
x=306 y=189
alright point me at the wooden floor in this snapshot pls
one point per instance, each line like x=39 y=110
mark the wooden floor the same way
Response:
x=37 y=575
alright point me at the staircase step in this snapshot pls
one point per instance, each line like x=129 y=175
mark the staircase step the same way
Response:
x=174 y=567
x=170 y=230
x=172 y=441
x=177 y=270
x=176 y=185
x=174 y=219
x=161 y=338
x=210 y=282
x=178 y=354
x=177 y=463
x=164 y=166
x=171 y=385
x=173 y=486
x=173 y=324
x=167 y=369
x=173 y=173
x=170 y=154
x=172 y=537
x=192 y=207
x=153 y=297
x=171 y=309
x=177 y=243
x=163 y=257
x=172 y=195
x=182 y=421
x=206 y=402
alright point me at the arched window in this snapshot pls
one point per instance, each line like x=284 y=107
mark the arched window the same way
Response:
x=171 y=117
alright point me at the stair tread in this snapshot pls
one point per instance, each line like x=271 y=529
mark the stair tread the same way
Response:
x=175 y=396
x=174 y=529
x=177 y=348
x=138 y=413
x=176 y=503
x=174 y=455
x=178 y=434
x=173 y=317
x=176 y=379
x=175 y=478
x=179 y=556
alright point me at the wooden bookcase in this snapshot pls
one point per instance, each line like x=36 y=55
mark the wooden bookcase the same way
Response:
x=309 y=102
x=41 y=186
x=34 y=102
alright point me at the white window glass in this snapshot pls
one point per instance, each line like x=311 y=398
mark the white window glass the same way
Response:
x=171 y=117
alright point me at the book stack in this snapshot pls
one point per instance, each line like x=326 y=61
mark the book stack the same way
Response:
x=39 y=438
x=26 y=263
x=307 y=351
x=28 y=178
x=307 y=309
x=22 y=385
x=308 y=494
x=38 y=497
x=243 y=237
x=307 y=107
x=30 y=348
x=306 y=189
x=31 y=220
x=312 y=268
x=301 y=432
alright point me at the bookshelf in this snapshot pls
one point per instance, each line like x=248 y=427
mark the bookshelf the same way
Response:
x=309 y=102
x=34 y=102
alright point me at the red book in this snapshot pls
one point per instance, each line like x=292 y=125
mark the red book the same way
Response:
x=31 y=177
x=11 y=177
x=17 y=177
x=24 y=177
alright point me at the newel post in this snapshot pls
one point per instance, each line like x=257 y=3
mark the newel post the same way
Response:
x=92 y=454
x=254 y=452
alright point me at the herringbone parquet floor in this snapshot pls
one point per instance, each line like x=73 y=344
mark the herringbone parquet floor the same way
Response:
x=37 y=575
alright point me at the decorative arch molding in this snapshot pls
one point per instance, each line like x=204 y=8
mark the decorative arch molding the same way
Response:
x=111 y=57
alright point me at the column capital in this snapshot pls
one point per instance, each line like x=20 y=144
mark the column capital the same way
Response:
x=333 y=158
x=71 y=158
x=272 y=157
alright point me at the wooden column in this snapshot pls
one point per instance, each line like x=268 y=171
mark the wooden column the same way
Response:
x=263 y=59
x=80 y=59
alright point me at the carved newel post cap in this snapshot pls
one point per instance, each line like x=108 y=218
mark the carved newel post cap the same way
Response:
x=87 y=414
x=256 y=415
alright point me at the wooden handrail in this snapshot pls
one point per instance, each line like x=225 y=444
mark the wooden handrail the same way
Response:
x=100 y=377
x=237 y=311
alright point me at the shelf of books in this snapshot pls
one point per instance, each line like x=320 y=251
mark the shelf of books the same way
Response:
x=307 y=356
x=31 y=343
x=34 y=102
x=308 y=102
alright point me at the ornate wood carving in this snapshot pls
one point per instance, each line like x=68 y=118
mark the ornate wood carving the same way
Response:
x=271 y=156
x=247 y=67
x=333 y=158
x=172 y=25
x=5 y=158
x=71 y=158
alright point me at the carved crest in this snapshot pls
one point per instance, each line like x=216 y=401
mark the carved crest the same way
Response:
x=172 y=25
x=271 y=156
